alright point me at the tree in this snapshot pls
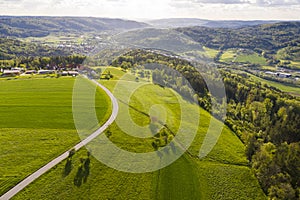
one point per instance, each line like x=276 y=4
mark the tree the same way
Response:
x=282 y=191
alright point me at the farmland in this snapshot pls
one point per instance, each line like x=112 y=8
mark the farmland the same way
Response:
x=211 y=53
x=238 y=56
x=36 y=124
x=187 y=178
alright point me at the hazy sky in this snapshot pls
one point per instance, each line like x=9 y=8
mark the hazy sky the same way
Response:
x=154 y=9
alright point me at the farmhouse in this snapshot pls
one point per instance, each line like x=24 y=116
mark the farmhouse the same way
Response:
x=73 y=73
x=271 y=73
x=10 y=73
x=284 y=75
x=30 y=72
x=64 y=73
x=46 y=72
x=279 y=74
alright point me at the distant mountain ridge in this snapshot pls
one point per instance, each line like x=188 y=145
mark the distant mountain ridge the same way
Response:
x=265 y=37
x=188 y=22
x=27 y=26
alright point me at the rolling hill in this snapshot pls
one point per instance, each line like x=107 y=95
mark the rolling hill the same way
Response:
x=43 y=26
x=186 y=22
x=266 y=37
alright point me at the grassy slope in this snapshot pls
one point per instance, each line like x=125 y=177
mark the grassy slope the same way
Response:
x=232 y=55
x=222 y=175
x=283 y=87
x=36 y=124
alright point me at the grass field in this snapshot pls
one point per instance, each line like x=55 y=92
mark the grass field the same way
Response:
x=234 y=55
x=294 y=90
x=212 y=53
x=36 y=124
x=228 y=56
x=223 y=174
x=252 y=58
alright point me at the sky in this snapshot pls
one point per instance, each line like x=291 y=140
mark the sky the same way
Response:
x=158 y=9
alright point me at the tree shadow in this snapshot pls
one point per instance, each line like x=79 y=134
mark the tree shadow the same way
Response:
x=68 y=167
x=83 y=172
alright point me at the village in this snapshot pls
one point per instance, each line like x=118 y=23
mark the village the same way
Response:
x=14 y=72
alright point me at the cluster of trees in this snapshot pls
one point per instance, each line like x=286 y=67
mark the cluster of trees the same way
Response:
x=162 y=138
x=31 y=62
x=264 y=118
x=12 y=48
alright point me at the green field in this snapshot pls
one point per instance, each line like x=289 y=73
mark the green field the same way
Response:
x=252 y=58
x=234 y=55
x=212 y=53
x=223 y=174
x=294 y=90
x=36 y=124
x=228 y=56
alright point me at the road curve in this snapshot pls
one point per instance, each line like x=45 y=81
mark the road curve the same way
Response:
x=20 y=186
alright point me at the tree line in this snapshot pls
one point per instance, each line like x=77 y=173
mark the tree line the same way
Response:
x=36 y=63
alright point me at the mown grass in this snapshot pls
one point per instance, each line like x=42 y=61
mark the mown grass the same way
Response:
x=36 y=124
x=223 y=174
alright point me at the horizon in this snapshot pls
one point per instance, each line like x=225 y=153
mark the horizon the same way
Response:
x=247 y=10
x=149 y=20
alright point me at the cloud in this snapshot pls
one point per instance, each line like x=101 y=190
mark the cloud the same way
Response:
x=277 y=2
x=260 y=3
x=221 y=1
x=137 y=9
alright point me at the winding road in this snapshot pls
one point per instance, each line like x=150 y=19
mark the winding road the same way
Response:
x=20 y=186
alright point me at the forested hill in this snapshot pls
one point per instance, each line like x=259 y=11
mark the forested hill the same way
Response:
x=266 y=37
x=43 y=26
x=13 y=48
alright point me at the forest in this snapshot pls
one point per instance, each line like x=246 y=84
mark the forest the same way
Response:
x=13 y=48
x=266 y=37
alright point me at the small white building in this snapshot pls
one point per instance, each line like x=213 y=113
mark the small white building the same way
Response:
x=284 y=75
x=30 y=72
x=73 y=73
x=10 y=73
x=46 y=72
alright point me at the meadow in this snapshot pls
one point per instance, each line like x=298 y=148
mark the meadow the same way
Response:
x=212 y=53
x=234 y=55
x=36 y=124
x=223 y=174
x=294 y=90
